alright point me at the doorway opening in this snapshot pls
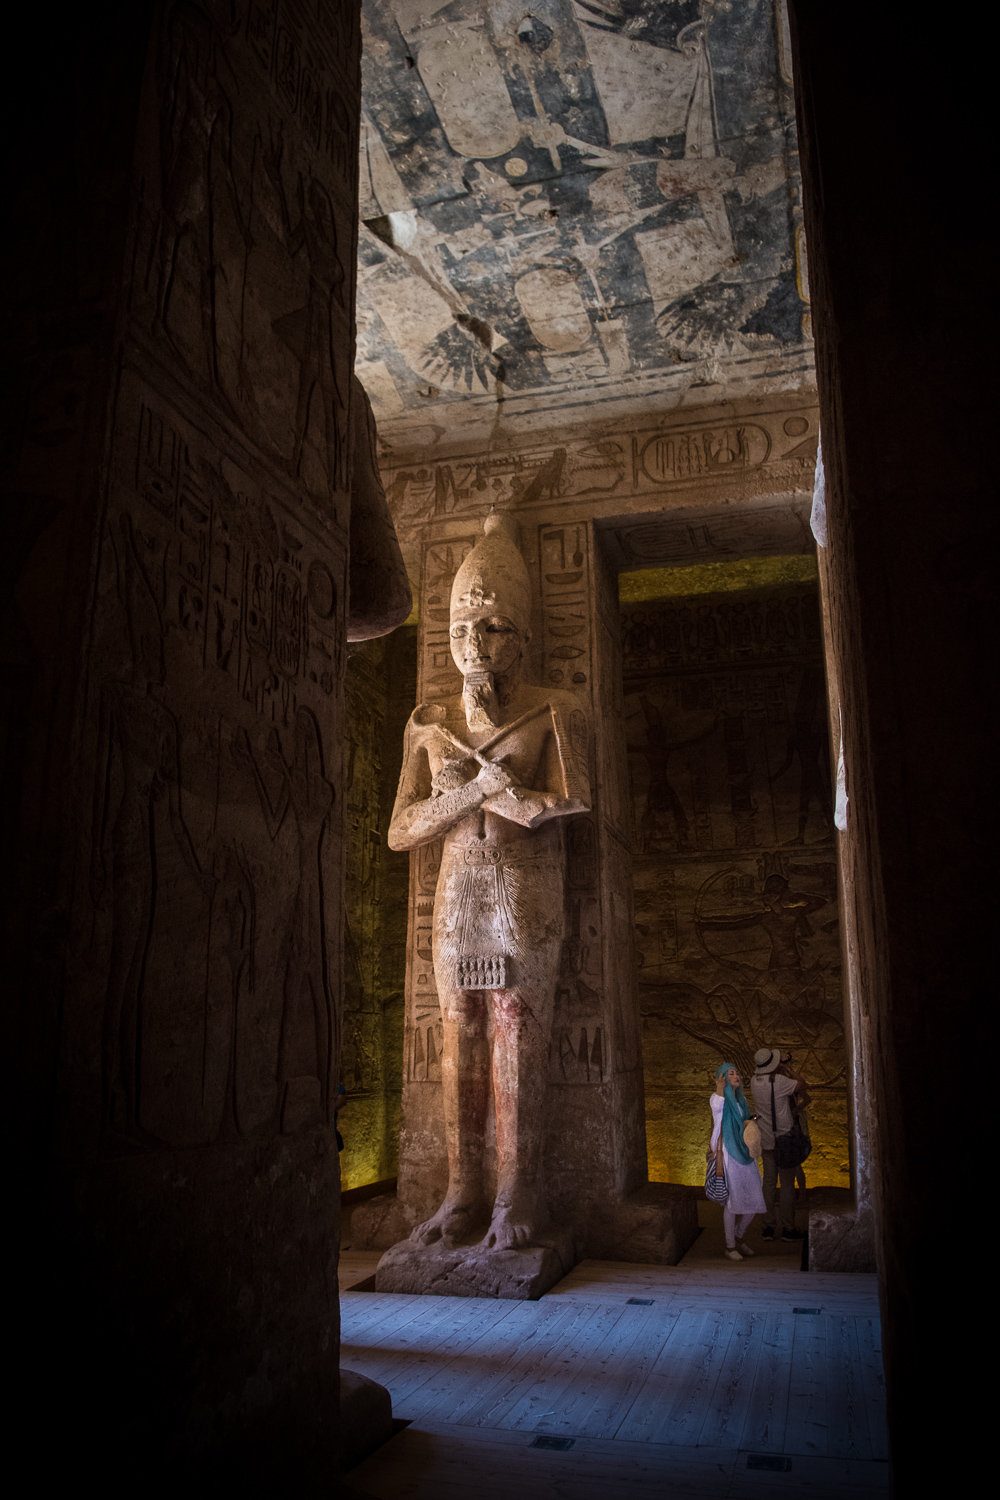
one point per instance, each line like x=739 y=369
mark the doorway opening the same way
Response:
x=737 y=922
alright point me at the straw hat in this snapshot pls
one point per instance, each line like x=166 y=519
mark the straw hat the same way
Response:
x=766 y=1059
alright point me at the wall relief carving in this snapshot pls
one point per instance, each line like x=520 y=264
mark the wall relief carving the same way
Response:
x=736 y=915
x=212 y=803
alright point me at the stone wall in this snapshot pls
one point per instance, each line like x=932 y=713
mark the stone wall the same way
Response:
x=178 y=469
x=381 y=688
x=910 y=590
x=726 y=726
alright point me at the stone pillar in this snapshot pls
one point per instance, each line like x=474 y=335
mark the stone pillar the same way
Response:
x=594 y=1160
x=842 y=1235
x=179 y=466
x=911 y=526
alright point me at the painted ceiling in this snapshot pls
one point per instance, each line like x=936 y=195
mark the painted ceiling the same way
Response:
x=588 y=205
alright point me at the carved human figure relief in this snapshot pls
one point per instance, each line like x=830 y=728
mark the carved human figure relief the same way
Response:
x=310 y=331
x=491 y=772
x=202 y=220
x=307 y=1036
x=143 y=856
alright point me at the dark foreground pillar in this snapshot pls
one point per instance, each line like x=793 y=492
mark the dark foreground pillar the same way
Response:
x=905 y=342
x=179 y=345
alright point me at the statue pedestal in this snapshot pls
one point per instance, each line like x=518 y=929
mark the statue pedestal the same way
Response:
x=475 y=1270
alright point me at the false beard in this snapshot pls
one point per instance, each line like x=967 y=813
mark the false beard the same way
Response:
x=479 y=697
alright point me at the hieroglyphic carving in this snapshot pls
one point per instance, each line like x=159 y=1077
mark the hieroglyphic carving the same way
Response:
x=713 y=537
x=578 y=1052
x=442 y=560
x=220 y=617
x=145 y=865
x=724 y=629
x=168 y=952
x=246 y=239
x=565 y=602
x=305 y=68
x=306 y=1043
x=689 y=453
x=196 y=162
x=314 y=331
x=586 y=476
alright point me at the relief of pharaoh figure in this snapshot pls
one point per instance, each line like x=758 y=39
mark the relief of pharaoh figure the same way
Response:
x=492 y=772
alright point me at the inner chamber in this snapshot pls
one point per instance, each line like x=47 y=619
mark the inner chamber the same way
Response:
x=733 y=854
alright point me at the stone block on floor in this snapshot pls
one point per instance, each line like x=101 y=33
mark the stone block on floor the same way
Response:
x=475 y=1270
x=365 y=1416
x=655 y=1226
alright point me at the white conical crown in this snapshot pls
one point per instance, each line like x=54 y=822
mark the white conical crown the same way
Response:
x=493 y=578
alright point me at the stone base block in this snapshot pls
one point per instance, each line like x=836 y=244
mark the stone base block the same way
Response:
x=475 y=1270
x=375 y=1223
x=365 y=1416
x=841 y=1232
x=656 y=1226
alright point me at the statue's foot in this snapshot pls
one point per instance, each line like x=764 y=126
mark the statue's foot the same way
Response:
x=510 y=1229
x=451 y=1224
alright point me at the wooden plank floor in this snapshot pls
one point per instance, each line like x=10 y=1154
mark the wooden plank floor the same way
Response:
x=719 y=1380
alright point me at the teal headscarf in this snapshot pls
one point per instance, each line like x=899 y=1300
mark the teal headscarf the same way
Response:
x=734 y=1111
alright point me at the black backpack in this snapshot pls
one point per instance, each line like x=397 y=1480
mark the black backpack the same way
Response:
x=792 y=1148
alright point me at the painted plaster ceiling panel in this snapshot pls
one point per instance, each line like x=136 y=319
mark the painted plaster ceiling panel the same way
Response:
x=592 y=200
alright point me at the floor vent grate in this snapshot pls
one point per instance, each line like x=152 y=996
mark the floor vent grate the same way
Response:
x=560 y=1444
x=773 y=1462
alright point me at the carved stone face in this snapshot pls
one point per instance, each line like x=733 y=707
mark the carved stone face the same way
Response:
x=486 y=643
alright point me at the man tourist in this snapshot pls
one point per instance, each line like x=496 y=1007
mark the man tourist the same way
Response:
x=771 y=1086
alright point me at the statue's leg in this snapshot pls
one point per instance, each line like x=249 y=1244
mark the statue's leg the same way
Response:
x=521 y=1028
x=464 y=1081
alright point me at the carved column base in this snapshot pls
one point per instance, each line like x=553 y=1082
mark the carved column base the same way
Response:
x=365 y=1416
x=841 y=1231
x=475 y=1270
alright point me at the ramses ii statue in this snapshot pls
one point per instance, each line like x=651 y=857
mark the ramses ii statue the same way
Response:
x=492 y=772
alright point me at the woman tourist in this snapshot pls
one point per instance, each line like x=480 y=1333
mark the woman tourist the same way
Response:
x=730 y=1112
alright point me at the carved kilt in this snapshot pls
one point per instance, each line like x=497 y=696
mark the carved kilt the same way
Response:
x=498 y=909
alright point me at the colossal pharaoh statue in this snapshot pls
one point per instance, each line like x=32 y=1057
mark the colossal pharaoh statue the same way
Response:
x=491 y=772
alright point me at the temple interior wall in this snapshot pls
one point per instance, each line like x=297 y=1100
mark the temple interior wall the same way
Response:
x=725 y=722
x=723 y=708
x=182 y=185
x=178 y=452
x=380 y=693
x=640 y=1015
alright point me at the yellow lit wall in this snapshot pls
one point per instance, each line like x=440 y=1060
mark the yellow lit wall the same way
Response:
x=725 y=719
x=381 y=683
